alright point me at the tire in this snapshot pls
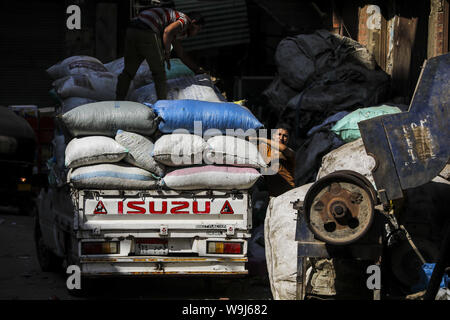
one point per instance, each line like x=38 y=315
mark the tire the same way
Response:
x=48 y=261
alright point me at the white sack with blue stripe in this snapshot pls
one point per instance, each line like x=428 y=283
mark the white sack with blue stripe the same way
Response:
x=118 y=176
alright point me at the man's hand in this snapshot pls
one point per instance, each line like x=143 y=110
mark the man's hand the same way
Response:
x=200 y=70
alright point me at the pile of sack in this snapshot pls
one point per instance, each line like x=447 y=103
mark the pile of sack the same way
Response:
x=129 y=145
x=83 y=79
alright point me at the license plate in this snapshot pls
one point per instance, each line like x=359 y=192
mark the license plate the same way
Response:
x=155 y=247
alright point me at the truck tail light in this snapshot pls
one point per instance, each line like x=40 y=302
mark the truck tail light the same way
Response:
x=106 y=247
x=224 y=247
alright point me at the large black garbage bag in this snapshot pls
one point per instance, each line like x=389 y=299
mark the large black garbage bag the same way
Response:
x=278 y=94
x=308 y=157
x=330 y=73
x=303 y=57
x=348 y=88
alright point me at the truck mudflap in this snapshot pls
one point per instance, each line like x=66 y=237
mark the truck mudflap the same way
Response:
x=162 y=266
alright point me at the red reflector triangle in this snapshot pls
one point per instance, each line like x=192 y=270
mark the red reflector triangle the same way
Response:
x=100 y=208
x=227 y=209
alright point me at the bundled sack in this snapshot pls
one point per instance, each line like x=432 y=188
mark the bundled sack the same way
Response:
x=179 y=149
x=93 y=85
x=144 y=75
x=231 y=150
x=111 y=176
x=350 y=156
x=211 y=177
x=92 y=150
x=75 y=65
x=140 y=151
x=106 y=117
x=73 y=102
x=198 y=87
x=281 y=248
x=178 y=114
x=347 y=128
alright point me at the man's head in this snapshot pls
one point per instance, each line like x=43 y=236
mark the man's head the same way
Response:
x=197 y=22
x=281 y=134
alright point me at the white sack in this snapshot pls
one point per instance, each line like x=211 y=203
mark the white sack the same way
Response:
x=211 y=177
x=230 y=150
x=75 y=65
x=111 y=176
x=350 y=156
x=106 y=117
x=93 y=85
x=179 y=149
x=199 y=87
x=140 y=151
x=92 y=150
x=281 y=248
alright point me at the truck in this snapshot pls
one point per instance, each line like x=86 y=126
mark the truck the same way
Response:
x=143 y=232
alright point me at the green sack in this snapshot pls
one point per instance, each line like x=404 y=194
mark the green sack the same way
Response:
x=347 y=128
x=178 y=69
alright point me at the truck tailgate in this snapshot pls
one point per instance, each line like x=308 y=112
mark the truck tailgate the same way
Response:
x=157 y=209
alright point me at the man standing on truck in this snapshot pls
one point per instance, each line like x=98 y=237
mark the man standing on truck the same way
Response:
x=150 y=37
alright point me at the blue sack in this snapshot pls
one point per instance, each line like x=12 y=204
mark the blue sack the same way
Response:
x=425 y=276
x=181 y=114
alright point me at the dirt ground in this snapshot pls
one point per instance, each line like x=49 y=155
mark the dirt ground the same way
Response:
x=22 y=279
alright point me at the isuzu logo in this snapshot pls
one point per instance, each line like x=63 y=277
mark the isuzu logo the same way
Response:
x=164 y=207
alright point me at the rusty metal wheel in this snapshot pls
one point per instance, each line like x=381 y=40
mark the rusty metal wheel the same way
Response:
x=339 y=208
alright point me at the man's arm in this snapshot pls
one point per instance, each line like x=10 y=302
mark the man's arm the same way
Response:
x=288 y=152
x=169 y=36
x=185 y=58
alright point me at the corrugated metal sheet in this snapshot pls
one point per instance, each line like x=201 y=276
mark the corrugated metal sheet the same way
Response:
x=226 y=23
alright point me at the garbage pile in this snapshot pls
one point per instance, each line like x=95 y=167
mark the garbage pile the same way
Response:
x=321 y=78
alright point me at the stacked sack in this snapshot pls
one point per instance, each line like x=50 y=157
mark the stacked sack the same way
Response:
x=216 y=162
x=83 y=79
x=110 y=146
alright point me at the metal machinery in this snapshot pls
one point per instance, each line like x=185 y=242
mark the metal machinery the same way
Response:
x=343 y=216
